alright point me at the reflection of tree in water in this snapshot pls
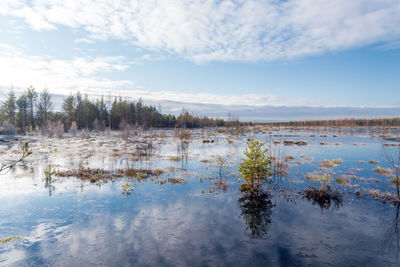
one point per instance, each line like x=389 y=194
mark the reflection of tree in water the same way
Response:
x=392 y=236
x=48 y=181
x=48 y=184
x=256 y=207
x=183 y=150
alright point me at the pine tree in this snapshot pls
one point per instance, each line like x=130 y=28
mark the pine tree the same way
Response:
x=255 y=167
x=44 y=107
x=22 y=104
x=69 y=107
x=9 y=107
x=31 y=95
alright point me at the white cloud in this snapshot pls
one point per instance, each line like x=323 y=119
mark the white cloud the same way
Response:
x=83 y=40
x=209 y=30
x=60 y=76
x=205 y=99
x=87 y=75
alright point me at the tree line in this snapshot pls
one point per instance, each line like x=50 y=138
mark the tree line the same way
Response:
x=345 y=122
x=34 y=111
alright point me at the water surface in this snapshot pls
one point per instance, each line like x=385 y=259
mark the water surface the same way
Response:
x=67 y=222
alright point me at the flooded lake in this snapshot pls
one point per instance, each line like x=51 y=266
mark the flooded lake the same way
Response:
x=193 y=213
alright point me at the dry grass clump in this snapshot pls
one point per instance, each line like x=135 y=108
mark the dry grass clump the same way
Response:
x=320 y=177
x=219 y=185
x=325 y=143
x=288 y=142
x=301 y=143
x=282 y=171
x=175 y=158
x=372 y=179
x=281 y=168
x=382 y=196
x=116 y=154
x=89 y=174
x=331 y=163
x=383 y=171
x=171 y=169
x=176 y=180
x=96 y=174
x=391 y=144
x=343 y=181
x=139 y=173
x=311 y=176
x=289 y=158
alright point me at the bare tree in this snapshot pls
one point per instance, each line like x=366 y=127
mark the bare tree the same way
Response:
x=392 y=155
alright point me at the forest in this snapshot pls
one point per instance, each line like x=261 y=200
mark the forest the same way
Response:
x=34 y=111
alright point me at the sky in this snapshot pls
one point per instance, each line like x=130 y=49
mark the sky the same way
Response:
x=258 y=59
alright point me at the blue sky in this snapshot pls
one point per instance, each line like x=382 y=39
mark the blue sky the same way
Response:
x=206 y=54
